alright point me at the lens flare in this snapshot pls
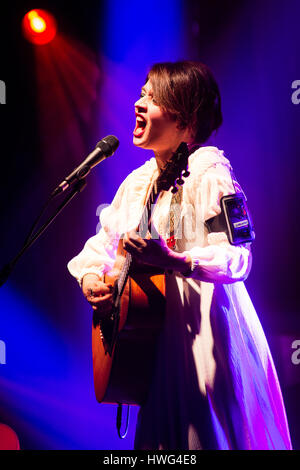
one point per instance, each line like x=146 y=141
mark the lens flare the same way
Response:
x=39 y=27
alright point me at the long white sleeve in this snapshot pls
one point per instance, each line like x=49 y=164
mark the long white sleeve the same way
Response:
x=123 y=214
x=99 y=252
x=218 y=261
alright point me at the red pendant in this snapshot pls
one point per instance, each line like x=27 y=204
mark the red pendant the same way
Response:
x=171 y=242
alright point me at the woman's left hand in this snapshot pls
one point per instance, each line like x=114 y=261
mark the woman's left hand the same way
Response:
x=155 y=251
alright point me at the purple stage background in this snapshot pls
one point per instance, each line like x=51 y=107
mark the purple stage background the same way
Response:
x=61 y=99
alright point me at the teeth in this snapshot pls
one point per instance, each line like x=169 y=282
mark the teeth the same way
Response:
x=140 y=121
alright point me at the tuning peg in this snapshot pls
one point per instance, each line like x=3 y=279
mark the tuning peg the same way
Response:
x=180 y=181
x=186 y=173
x=174 y=190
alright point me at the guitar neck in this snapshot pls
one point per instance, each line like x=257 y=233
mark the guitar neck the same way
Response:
x=143 y=227
x=145 y=223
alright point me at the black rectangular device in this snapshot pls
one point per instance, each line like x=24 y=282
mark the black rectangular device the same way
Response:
x=234 y=220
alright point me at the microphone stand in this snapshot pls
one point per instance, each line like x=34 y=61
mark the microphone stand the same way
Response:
x=7 y=269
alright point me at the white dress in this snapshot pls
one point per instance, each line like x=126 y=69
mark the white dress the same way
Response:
x=215 y=385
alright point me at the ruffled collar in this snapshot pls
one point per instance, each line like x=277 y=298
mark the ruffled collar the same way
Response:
x=204 y=155
x=140 y=181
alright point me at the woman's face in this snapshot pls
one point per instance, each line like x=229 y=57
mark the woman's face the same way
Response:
x=154 y=129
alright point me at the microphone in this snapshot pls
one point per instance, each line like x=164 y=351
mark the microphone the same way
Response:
x=105 y=148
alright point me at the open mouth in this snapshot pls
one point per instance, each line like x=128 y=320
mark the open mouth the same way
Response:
x=140 y=125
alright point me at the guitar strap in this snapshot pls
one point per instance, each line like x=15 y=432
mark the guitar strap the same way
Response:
x=174 y=219
x=175 y=209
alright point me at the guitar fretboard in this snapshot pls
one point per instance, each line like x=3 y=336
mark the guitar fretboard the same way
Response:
x=143 y=228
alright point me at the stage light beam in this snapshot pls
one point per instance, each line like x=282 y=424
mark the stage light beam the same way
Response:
x=39 y=27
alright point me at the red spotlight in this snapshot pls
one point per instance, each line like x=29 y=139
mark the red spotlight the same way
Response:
x=39 y=26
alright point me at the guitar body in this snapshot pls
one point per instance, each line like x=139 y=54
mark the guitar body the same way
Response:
x=125 y=375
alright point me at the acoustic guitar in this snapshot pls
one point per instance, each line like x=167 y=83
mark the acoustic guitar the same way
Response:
x=124 y=342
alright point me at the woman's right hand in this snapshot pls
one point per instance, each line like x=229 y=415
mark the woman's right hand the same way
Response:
x=97 y=293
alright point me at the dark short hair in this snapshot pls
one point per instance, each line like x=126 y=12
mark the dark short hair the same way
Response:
x=188 y=92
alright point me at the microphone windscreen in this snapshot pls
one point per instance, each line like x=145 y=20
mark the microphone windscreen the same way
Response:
x=108 y=145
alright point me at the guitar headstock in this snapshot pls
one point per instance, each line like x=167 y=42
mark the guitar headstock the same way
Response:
x=174 y=170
